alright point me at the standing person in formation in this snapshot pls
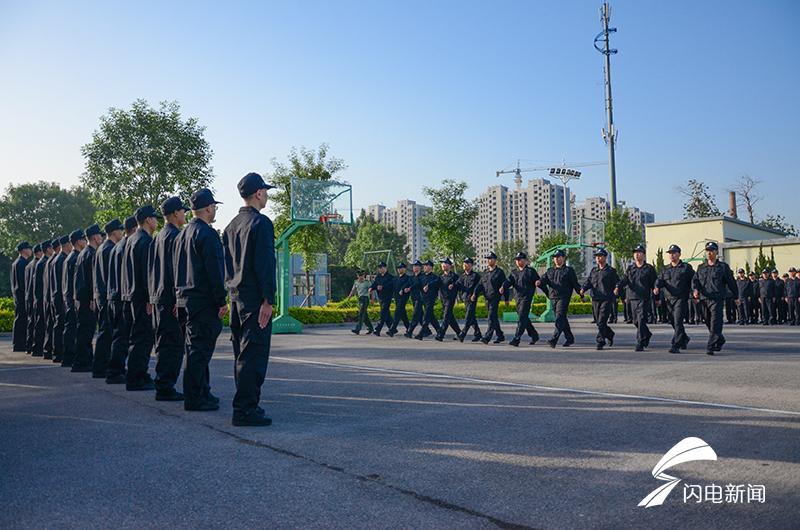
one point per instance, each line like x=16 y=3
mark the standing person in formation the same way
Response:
x=780 y=296
x=640 y=282
x=250 y=276
x=402 y=290
x=449 y=292
x=30 y=312
x=39 y=307
x=710 y=283
x=136 y=295
x=20 y=326
x=561 y=281
x=467 y=283
x=77 y=241
x=416 y=299
x=361 y=289
x=753 y=303
x=675 y=283
x=200 y=297
x=383 y=286
x=429 y=286
x=523 y=280
x=100 y=277
x=744 y=292
x=169 y=342
x=118 y=310
x=793 y=297
x=489 y=286
x=52 y=336
x=766 y=295
x=85 y=300
x=602 y=281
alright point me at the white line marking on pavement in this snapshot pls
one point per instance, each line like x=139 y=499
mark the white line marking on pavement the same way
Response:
x=545 y=388
x=30 y=367
x=77 y=418
x=17 y=385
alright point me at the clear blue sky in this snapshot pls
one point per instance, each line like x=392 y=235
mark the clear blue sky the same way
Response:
x=409 y=93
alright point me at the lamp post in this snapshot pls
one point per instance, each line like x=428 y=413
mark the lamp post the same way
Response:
x=565 y=174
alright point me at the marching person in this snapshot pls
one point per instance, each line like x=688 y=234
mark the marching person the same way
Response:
x=449 y=292
x=743 y=295
x=118 y=310
x=640 y=281
x=402 y=291
x=467 y=283
x=712 y=278
x=561 y=280
x=383 y=286
x=675 y=283
x=19 y=329
x=361 y=289
x=489 y=286
x=793 y=297
x=523 y=280
x=77 y=241
x=766 y=295
x=250 y=276
x=136 y=296
x=85 y=300
x=200 y=297
x=429 y=286
x=169 y=340
x=602 y=280
x=51 y=316
x=418 y=310
x=30 y=312
x=39 y=306
x=753 y=302
x=100 y=277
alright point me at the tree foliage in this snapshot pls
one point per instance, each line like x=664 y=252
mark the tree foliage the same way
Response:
x=699 y=201
x=144 y=155
x=449 y=222
x=506 y=250
x=622 y=234
x=557 y=239
x=779 y=222
x=373 y=236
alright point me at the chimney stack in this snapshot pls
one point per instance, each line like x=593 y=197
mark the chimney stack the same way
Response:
x=732 y=205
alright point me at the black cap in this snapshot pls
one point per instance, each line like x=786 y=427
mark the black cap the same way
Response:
x=145 y=212
x=792 y=269
x=94 y=230
x=446 y=261
x=469 y=260
x=428 y=262
x=785 y=274
x=775 y=271
x=130 y=223
x=601 y=252
x=765 y=271
x=752 y=273
x=56 y=242
x=673 y=248
x=521 y=255
x=112 y=225
x=45 y=245
x=711 y=245
x=202 y=198
x=64 y=240
x=740 y=270
x=381 y=264
x=22 y=246
x=401 y=265
x=251 y=183
x=491 y=255
x=37 y=248
x=417 y=263
x=171 y=205
x=639 y=248
x=76 y=235
x=559 y=253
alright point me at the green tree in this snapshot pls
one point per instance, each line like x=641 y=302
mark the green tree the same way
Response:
x=779 y=222
x=557 y=239
x=699 y=202
x=142 y=156
x=372 y=236
x=449 y=222
x=761 y=262
x=622 y=235
x=658 y=262
x=506 y=250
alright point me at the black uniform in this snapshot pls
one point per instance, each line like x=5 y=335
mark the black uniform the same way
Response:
x=386 y=283
x=523 y=281
x=39 y=292
x=744 y=293
x=780 y=300
x=711 y=281
x=136 y=295
x=87 y=317
x=468 y=284
x=70 y=312
x=20 y=326
x=489 y=286
x=675 y=283
x=793 y=293
x=402 y=282
x=30 y=313
x=448 y=292
x=250 y=276
x=170 y=344
x=418 y=311
x=766 y=295
x=561 y=282
x=602 y=283
x=639 y=283
x=100 y=276
x=432 y=282
x=118 y=312
x=200 y=293
x=59 y=308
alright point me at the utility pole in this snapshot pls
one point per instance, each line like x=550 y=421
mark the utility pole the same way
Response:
x=601 y=44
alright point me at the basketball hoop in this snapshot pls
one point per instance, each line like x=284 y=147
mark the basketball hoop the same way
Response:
x=328 y=218
x=598 y=243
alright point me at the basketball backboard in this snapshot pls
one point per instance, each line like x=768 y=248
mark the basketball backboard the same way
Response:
x=325 y=201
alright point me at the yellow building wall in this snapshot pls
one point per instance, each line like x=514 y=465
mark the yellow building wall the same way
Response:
x=691 y=237
x=785 y=256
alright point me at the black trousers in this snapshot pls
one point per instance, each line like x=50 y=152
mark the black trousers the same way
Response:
x=449 y=319
x=794 y=318
x=640 y=310
x=140 y=343
x=363 y=314
x=39 y=329
x=782 y=310
x=203 y=327
x=417 y=314
x=19 y=329
x=714 y=312
x=561 y=308
x=251 y=346
x=30 y=328
x=626 y=311
x=768 y=311
x=87 y=323
x=603 y=309
x=102 y=346
x=678 y=308
x=743 y=311
x=170 y=347
x=400 y=314
x=120 y=334
x=755 y=307
x=49 y=335
x=493 y=308
x=470 y=320
x=429 y=318
x=70 y=333
x=385 y=318
x=524 y=323
x=59 y=322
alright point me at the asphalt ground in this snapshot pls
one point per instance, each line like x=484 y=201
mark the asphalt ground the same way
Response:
x=379 y=432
